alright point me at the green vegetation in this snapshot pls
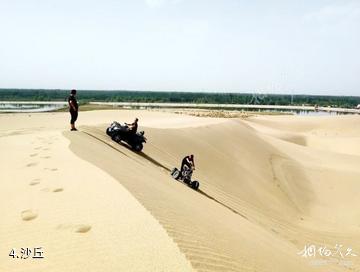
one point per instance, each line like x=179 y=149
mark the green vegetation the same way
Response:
x=85 y=96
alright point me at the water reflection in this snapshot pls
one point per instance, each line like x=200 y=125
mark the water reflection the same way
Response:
x=30 y=107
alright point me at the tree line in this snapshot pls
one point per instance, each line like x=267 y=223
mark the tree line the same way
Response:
x=85 y=96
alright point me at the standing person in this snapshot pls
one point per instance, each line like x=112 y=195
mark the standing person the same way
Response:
x=73 y=108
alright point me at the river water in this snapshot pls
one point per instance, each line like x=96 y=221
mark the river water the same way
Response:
x=31 y=107
x=10 y=106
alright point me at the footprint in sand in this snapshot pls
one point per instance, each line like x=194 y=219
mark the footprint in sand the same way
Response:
x=56 y=190
x=31 y=164
x=274 y=231
x=82 y=228
x=34 y=182
x=33 y=155
x=45 y=149
x=45 y=157
x=37 y=148
x=51 y=169
x=28 y=215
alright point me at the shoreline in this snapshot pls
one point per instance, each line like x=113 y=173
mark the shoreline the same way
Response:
x=229 y=107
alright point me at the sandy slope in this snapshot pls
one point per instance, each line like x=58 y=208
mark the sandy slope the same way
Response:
x=83 y=218
x=269 y=186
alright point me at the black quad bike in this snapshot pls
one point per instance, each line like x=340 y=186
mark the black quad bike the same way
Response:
x=185 y=177
x=119 y=133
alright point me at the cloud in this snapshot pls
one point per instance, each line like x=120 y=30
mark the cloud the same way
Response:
x=336 y=13
x=160 y=3
x=196 y=28
x=340 y=21
x=154 y=3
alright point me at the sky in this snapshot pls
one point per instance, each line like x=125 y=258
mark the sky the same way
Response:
x=262 y=46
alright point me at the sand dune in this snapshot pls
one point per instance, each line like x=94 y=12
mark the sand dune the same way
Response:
x=341 y=136
x=269 y=186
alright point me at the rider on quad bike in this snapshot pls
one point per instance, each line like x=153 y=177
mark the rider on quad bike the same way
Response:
x=185 y=172
x=127 y=133
x=132 y=128
x=189 y=162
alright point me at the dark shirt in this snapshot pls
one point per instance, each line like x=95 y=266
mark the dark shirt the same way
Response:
x=134 y=127
x=72 y=99
x=186 y=160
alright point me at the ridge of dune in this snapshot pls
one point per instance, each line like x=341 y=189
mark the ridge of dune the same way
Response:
x=81 y=217
x=22 y=123
x=338 y=134
x=333 y=171
x=283 y=176
x=211 y=236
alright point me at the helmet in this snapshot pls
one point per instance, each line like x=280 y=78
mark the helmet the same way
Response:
x=73 y=91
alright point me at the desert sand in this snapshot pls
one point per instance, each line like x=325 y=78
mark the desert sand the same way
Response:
x=269 y=186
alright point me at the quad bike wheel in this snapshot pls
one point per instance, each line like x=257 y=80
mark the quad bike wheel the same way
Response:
x=116 y=138
x=187 y=181
x=175 y=173
x=138 y=147
x=195 y=184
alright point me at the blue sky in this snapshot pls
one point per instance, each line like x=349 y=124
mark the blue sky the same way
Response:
x=278 y=46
